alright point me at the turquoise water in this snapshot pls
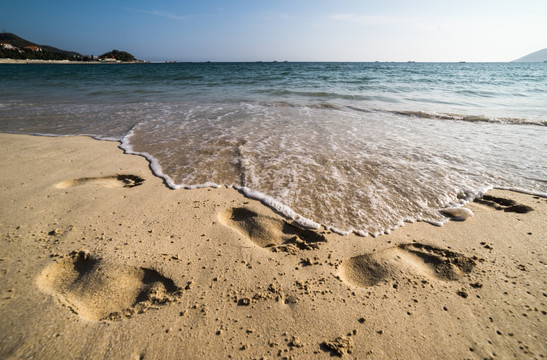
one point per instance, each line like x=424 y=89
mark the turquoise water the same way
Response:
x=352 y=146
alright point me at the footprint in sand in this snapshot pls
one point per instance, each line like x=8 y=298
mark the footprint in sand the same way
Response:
x=270 y=232
x=412 y=259
x=97 y=289
x=113 y=181
x=506 y=205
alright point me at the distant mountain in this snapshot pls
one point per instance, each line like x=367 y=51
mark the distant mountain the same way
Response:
x=21 y=47
x=118 y=55
x=538 y=56
x=15 y=47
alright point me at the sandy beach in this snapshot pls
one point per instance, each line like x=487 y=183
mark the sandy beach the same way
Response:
x=101 y=260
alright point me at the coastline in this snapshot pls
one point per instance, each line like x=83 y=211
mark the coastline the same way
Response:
x=207 y=272
x=36 y=61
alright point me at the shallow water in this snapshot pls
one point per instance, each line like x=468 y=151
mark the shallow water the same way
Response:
x=354 y=147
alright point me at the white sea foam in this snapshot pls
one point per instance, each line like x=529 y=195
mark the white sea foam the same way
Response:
x=365 y=173
x=279 y=207
x=126 y=146
x=316 y=172
x=523 y=191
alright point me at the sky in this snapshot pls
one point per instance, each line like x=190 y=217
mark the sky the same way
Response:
x=291 y=30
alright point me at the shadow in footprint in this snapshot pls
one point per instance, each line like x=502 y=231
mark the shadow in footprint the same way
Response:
x=406 y=259
x=506 y=205
x=113 y=181
x=448 y=265
x=270 y=232
x=100 y=290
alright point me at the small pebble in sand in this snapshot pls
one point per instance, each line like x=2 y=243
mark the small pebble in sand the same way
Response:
x=457 y=214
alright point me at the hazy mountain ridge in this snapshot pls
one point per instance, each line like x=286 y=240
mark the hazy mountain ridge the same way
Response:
x=537 y=56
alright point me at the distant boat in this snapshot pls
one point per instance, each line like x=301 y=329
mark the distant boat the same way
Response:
x=462 y=62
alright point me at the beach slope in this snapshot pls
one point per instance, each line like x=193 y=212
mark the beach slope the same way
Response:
x=101 y=260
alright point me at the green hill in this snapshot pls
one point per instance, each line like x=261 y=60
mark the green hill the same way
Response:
x=118 y=55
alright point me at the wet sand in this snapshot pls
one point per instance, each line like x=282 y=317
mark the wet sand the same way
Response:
x=101 y=260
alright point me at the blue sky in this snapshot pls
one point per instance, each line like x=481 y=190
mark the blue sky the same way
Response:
x=295 y=30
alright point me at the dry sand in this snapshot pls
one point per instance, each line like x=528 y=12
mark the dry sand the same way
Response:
x=99 y=259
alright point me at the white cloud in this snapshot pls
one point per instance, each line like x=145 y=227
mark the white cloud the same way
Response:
x=160 y=13
x=371 y=19
x=273 y=15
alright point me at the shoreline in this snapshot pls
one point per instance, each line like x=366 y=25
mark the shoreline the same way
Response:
x=283 y=210
x=38 y=61
x=232 y=278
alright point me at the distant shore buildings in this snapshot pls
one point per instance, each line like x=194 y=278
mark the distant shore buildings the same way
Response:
x=9 y=46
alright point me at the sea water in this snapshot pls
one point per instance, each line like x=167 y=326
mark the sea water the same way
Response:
x=359 y=147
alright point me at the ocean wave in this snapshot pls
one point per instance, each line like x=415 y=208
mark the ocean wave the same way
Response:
x=467 y=118
x=314 y=94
